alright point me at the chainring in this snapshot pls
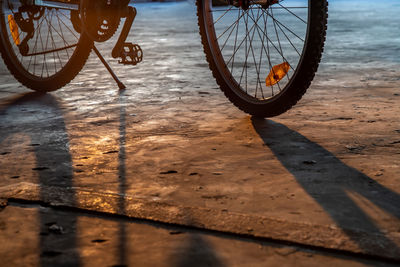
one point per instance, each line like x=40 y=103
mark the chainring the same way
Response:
x=100 y=19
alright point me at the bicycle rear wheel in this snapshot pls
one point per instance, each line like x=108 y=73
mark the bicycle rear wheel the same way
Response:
x=263 y=53
x=42 y=47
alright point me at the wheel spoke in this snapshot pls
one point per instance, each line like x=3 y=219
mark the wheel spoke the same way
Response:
x=288 y=10
x=252 y=51
x=276 y=48
x=236 y=36
x=236 y=26
x=292 y=32
x=230 y=26
x=223 y=14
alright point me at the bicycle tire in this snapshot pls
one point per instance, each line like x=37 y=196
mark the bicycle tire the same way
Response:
x=66 y=66
x=223 y=69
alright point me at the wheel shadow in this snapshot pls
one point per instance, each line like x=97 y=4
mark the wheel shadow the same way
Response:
x=40 y=117
x=329 y=181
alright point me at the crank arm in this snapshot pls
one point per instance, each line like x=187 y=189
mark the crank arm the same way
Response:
x=130 y=17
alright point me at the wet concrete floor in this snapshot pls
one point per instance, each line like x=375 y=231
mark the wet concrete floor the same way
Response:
x=172 y=149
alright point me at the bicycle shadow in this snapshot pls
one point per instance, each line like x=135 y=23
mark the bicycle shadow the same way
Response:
x=39 y=116
x=329 y=182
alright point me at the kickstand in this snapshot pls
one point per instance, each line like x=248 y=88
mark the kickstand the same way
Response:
x=121 y=86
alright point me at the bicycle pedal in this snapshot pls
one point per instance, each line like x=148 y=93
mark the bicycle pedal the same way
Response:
x=131 y=54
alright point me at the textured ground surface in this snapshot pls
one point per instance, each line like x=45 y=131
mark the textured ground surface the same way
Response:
x=172 y=149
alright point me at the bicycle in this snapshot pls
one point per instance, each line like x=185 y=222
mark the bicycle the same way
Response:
x=263 y=53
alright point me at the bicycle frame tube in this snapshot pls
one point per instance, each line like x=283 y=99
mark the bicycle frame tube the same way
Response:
x=61 y=4
x=70 y=5
x=15 y=4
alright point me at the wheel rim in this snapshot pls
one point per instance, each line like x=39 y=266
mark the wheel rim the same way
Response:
x=257 y=48
x=48 y=48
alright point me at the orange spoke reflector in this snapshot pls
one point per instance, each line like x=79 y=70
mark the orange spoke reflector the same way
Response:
x=14 y=29
x=277 y=73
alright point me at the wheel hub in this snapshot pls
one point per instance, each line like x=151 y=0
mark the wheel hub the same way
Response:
x=245 y=4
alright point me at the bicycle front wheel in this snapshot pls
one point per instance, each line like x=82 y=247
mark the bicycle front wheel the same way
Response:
x=263 y=53
x=42 y=47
